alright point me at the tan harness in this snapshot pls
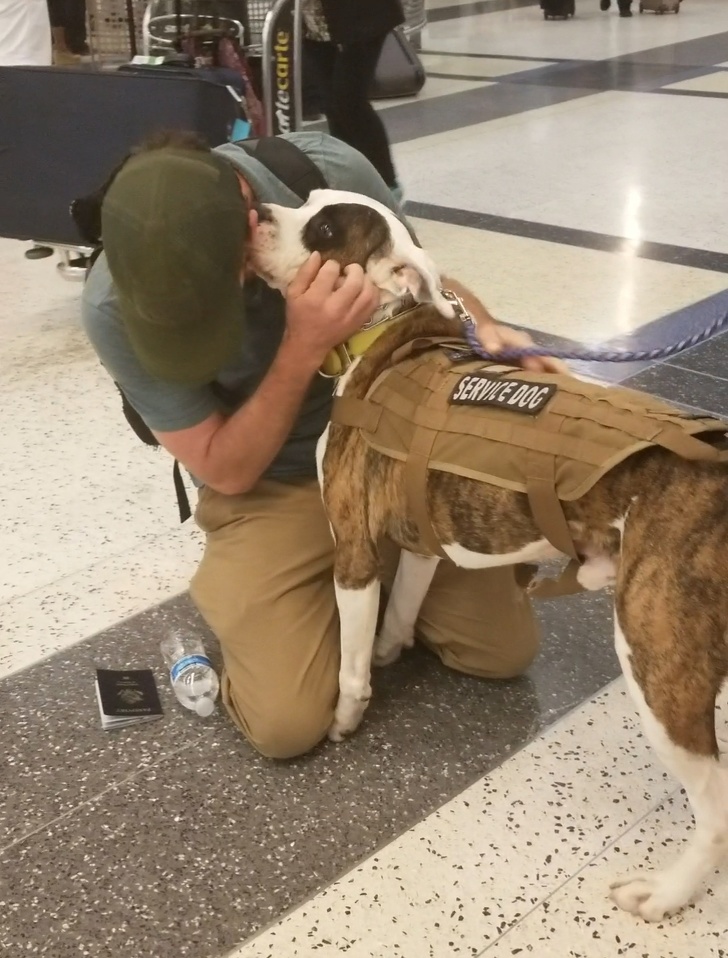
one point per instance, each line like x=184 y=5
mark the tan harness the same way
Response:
x=546 y=435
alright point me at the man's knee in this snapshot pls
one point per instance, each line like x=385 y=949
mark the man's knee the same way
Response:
x=501 y=655
x=516 y=659
x=514 y=655
x=282 y=726
x=289 y=736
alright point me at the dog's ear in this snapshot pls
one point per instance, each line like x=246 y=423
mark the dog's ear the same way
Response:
x=421 y=279
x=411 y=270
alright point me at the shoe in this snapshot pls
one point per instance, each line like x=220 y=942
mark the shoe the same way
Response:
x=64 y=58
x=625 y=13
x=605 y=4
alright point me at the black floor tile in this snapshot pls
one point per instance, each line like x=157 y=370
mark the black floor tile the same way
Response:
x=583 y=239
x=459 y=110
x=705 y=51
x=685 y=387
x=710 y=358
x=55 y=755
x=176 y=840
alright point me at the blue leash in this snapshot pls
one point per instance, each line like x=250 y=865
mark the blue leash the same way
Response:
x=594 y=355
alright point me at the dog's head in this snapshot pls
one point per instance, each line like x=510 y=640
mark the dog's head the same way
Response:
x=349 y=228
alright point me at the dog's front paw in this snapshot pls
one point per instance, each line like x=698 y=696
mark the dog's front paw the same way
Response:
x=597 y=572
x=347 y=718
x=653 y=897
x=388 y=648
x=337 y=733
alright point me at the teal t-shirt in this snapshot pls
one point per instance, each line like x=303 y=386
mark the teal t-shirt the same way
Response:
x=166 y=407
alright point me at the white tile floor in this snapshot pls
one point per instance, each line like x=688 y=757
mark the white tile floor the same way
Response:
x=87 y=513
x=591 y=35
x=478 y=66
x=521 y=860
x=581 y=293
x=710 y=83
x=625 y=164
x=435 y=87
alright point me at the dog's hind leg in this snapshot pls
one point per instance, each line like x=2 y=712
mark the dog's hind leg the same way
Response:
x=413 y=578
x=674 y=675
x=357 y=585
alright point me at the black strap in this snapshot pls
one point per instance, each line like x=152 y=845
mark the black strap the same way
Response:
x=183 y=502
x=287 y=163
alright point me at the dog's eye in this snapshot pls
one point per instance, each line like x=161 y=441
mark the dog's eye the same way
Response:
x=325 y=231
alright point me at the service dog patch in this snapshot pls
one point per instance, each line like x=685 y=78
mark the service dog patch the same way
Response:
x=517 y=395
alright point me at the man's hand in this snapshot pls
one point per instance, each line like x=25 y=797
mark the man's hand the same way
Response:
x=496 y=338
x=324 y=306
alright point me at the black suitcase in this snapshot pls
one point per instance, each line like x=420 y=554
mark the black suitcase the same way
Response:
x=62 y=131
x=558 y=9
x=399 y=71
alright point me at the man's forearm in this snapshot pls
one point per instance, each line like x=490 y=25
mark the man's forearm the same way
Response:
x=249 y=440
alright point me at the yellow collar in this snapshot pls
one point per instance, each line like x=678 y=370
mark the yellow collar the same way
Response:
x=341 y=357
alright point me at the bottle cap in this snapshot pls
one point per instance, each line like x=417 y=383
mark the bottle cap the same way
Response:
x=204 y=707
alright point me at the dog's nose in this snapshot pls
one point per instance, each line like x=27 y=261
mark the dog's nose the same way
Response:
x=264 y=212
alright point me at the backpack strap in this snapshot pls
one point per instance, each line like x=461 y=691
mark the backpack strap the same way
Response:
x=146 y=435
x=287 y=163
x=183 y=502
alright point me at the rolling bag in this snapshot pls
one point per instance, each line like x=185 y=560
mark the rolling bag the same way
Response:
x=62 y=131
x=660 y=6
x=558 y=9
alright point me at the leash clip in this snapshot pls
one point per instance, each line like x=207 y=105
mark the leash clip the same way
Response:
x=459 y=306
x=462 y=313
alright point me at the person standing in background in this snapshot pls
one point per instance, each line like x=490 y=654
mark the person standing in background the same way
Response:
x=624 y=6
x=68 y=26
x=76 y=27
x=25 y=33
x=343 y=41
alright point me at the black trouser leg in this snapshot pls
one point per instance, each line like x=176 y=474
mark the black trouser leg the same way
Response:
x=346 y=76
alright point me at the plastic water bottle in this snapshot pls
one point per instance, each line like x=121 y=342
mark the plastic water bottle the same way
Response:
x=193 y=678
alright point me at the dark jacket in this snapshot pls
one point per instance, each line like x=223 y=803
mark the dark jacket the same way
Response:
x=353 y=20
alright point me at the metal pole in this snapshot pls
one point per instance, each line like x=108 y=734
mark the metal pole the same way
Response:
x=281 y=67
x=297 y=66
x=267 y=62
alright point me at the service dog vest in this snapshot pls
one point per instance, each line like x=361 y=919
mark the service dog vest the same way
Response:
x=546 y=435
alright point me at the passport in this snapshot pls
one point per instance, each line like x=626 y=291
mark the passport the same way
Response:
x=127 y=697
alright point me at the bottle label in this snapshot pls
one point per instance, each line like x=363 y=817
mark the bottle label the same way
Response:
x=187 y=662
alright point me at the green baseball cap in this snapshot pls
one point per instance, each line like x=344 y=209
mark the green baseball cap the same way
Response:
x=173 y=225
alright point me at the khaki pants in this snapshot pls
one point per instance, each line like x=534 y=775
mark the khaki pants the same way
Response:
x=265 y=588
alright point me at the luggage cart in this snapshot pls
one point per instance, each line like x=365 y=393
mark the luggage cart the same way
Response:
x=268 y=32
x=165 y=21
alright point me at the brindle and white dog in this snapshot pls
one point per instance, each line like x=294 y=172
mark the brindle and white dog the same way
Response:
x=656 y=526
